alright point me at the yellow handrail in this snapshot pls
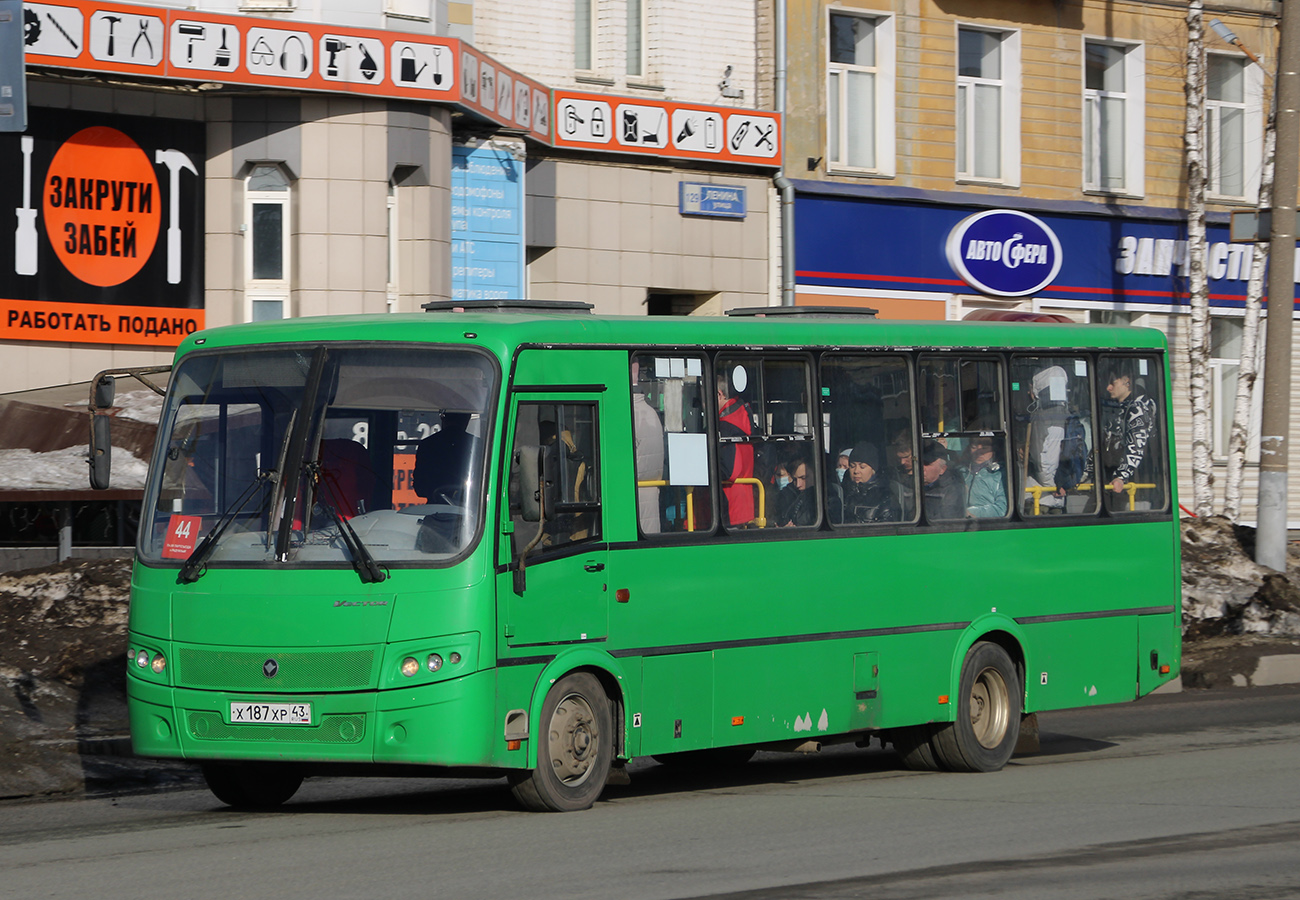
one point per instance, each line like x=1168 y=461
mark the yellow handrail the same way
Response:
x=1130 y=487
x=760 y=520
x=690 y=500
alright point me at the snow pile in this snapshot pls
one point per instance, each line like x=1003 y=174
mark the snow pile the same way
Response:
x=65 y=470
x=143 y=405
x=1226 y=592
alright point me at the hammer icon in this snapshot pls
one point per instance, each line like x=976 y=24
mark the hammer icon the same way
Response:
x=112 y=21
x=175 y=161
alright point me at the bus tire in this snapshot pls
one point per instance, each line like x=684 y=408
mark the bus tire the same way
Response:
x=575 y=747
x=984 y=735
x=252 y=785
x=913 y=744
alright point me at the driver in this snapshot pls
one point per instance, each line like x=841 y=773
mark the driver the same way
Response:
x=442 y=460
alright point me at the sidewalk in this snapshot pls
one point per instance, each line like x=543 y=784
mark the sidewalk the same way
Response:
x=1236 y=661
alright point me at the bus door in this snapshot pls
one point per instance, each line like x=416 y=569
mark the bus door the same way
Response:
x=553 y=589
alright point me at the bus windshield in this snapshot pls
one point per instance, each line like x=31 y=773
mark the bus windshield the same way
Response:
x=320 y=455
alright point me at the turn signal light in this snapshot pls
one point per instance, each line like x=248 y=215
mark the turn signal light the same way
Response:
x=943 y=698
x=513 y=745
x=1164 y=670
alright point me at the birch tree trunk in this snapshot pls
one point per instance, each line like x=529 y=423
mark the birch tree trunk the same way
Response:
x=1198 y=349
x=1239 y=436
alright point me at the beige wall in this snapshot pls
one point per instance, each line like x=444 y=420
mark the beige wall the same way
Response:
x=1051 y=125
x=619 y=235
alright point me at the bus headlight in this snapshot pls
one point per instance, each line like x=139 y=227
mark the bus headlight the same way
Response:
x=410 y=666
x=159 y=663
x=142 y=658
x=434 y=662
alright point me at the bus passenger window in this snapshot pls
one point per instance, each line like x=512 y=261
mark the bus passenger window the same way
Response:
x=867 y=419
x=670 y=435
x=1051 y=399
x=961 y=421
x=764 y=440
x=1134 y=466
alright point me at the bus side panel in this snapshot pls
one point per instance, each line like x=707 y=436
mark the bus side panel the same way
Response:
x=1082 y=662
x=1159 y=645
x=677 y=691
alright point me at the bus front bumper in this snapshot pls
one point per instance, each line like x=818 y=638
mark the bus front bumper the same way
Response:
x=449 y=723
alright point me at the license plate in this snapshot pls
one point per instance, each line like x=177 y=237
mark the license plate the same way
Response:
x=270 y=714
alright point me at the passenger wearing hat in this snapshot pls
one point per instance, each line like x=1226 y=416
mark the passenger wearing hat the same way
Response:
x=866 y=498
x=943 y=490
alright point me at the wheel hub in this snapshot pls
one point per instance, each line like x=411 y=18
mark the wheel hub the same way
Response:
x=575 y=740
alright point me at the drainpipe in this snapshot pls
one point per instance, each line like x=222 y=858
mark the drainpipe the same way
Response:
x=783 y=184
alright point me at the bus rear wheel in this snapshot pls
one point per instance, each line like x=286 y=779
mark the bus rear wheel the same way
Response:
x=252 y=785
x=984 y=735
x=575 y=743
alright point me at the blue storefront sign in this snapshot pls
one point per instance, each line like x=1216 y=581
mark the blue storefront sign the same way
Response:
x=1081 y=252
x=1004 y=252
x=725 y=201
x=487 y=222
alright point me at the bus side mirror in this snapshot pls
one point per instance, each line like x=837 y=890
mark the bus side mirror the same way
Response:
x=102 y=393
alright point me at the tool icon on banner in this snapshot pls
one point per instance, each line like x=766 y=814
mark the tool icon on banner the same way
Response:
x=333 y=47
x=222 y=57
x=52 y=30
x=572 y=120
x=195 y=32
x=25 y=255
x=292 y=59
x=369 y=68
x=109 y=36
x=175 y=161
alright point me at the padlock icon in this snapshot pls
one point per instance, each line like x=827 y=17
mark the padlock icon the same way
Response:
x=598 y=123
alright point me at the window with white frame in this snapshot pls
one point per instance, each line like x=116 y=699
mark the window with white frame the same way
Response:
x=1225 y=368
x=636 y=38
x=267 y=196
x=584 y=31
x=988 y=105
x=1113 y=112
x=860 y=93
x=1234 y=124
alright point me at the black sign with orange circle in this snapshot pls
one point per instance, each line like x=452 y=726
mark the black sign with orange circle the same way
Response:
x=105 y=211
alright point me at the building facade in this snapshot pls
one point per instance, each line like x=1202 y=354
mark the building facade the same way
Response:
x=187 y=167
x=920 y=135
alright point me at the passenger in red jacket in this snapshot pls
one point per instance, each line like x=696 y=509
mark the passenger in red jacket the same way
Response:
x=735 y=456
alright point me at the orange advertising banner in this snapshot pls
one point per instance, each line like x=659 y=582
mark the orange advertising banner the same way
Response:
x=90 y=323
x=187 y=45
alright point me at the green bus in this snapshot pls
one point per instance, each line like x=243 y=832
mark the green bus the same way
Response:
x=520 y=539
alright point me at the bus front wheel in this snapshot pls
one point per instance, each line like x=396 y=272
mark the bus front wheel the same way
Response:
x=984 y=735
x=252 y=785
x=575 y=742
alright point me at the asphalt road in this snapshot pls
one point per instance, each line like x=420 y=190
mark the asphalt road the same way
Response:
x=1190 y=796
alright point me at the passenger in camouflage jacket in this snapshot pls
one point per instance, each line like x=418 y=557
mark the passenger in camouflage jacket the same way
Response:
x=1128 y=432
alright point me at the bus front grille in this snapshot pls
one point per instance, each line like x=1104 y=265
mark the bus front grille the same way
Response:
x=205 y=725
x=295 y=670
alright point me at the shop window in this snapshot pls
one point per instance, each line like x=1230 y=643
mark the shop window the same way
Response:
x=636 y=38
x=584 y=29
x=1225 y=368
x=859 y=93
x=988 y=105
x=1233 y=126
x=1113 y=111
x=267 y=204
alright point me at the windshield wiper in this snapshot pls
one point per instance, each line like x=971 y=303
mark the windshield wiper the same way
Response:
x=363 y=561
x=196 y=564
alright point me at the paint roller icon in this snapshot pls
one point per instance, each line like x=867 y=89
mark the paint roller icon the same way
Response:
x=25 y=237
